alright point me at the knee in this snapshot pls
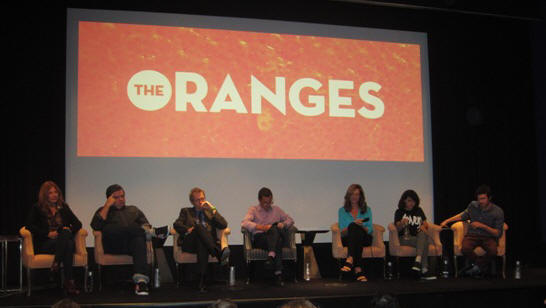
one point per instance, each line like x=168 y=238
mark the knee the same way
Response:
x=273 y=230
x=65 y=234
x=491 y=251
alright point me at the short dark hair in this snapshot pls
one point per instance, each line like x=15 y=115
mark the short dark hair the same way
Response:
x=483 y=189
x=195 y=190
x=264 y=192
x=412 y=195
x=112 y=189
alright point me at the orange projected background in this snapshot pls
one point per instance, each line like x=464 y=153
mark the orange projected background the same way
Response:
x=109 y=124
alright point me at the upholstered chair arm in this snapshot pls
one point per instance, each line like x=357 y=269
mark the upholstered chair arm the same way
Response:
x=433 y=232
x=222 y=234
x=247 y=239
x=28 y=246
x=79 y=241
x=292 y=236
x=394 y=239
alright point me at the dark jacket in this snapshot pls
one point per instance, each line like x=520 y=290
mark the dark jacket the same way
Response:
x=38 y=224
x=187 y=219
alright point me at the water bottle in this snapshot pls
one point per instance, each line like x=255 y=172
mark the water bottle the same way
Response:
x=231 y=281
x=388 y=271
x=517 y=271
x=307 y=271
x=445 y=269
x=157 y=280
x=89 y=287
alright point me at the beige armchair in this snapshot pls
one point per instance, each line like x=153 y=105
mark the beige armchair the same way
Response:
x=183 y=257
x=105 y=259
x=460 y=229
x=396 y=250
x=39 y=261
x=376 y=250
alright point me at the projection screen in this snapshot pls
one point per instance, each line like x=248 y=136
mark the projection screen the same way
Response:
x=161 y=103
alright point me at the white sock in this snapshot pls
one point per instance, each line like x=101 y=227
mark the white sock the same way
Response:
x=418 y=259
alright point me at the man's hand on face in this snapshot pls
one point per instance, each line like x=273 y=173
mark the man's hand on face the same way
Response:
x=110 y=201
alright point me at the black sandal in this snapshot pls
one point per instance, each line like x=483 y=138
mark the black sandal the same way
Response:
x=360 y=277
x=347 y=265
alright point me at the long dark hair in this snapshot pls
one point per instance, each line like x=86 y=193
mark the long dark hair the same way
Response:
x=43 y=202
x=361 y=201
x=412 y=195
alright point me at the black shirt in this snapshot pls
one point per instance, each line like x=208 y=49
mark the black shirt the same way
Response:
x=416 y=218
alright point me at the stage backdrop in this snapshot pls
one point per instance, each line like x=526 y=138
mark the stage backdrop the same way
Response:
x=161 y=103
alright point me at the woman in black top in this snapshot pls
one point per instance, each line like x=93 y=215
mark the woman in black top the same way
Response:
x=410 y=221
x=53 y=226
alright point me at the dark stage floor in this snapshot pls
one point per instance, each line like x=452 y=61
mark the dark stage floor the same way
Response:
x=463 y=292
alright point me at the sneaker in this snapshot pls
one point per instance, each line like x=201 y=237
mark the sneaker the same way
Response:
x=278 y=280
x=141 y=288
x=428 y=275
x=416 y=266
x=473 y=271
x=269 y=263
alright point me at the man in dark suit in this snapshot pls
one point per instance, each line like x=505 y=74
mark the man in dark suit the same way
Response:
x=197 y=228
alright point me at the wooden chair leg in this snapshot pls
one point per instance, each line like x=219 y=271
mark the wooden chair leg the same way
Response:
x=397 y=258
x=249 y=271
x=29 y=281
x=340 y=274
x=177 y=274
x=85 y=274
x=384 y=264
x=504 y=267
x=455 y=267
x=99 y=272
x=295 y=269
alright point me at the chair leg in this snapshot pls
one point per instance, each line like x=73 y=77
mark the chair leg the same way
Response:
x=177 y=274
x=340 y=274
x=455 y=267
x=397 y=258
x=85 y=274
x=29 y=281
x=249 y=271
x=99 y=272
x=384 y=264
x=504 y=267
x=295 y=269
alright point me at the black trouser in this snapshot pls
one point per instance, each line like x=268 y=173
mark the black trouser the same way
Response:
x=201 y=242
x=355 y=240
x=127 y=240
x=272 y=240
x=63 y=248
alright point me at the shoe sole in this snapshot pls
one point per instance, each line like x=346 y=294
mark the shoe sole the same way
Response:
x=428 y=278
x=141 y=293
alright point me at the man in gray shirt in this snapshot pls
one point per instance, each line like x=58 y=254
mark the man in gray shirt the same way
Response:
x=486 y=226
